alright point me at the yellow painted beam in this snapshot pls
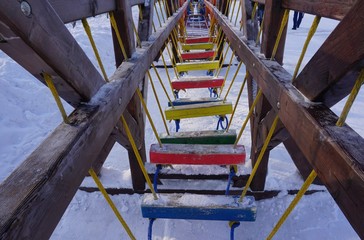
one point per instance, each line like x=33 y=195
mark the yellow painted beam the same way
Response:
x=198 y=110
x=194 y=66
x=197 y=46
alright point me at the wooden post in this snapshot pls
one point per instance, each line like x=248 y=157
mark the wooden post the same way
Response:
x=33 y=202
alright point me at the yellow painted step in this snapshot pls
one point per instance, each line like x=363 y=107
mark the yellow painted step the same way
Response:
x=197 y=46
x=198 y=110
x=194 y=66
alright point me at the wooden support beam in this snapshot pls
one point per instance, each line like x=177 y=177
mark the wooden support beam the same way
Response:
x=70 y=10
x=335 y=9
x=335 y=153
x=26 y=40
x=273 y=15
x=145 y=24
x=330 y=74
x=97 y=164
x=42 y=29
x=65 y=156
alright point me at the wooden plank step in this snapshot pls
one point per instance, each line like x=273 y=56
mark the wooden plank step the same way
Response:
x=197 y=55
x=198 y=110
x=198 y=40
x=197 y=46
x=197 y=82
x=199 y=207
x=189 y=101
x=194 y=66
x=200 y=137
x=197 y=154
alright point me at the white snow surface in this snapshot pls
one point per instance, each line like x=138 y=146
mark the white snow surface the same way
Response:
x=28 y=114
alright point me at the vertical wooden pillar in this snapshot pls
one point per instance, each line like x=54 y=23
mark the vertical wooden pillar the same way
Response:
x=124 y=18
x=273 y=15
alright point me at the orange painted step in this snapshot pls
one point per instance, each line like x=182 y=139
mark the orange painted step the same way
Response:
x=198 y=40
x=197 y=82
x=197 y=55
x=197 y=154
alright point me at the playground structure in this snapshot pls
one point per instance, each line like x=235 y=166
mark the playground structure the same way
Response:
x=318 y=143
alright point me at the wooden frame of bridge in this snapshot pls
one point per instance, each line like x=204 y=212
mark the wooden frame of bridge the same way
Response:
x=34 y=197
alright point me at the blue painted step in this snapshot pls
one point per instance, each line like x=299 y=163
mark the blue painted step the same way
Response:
x=199 y=207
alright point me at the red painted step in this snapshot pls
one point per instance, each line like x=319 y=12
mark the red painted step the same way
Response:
x=198 y=40
x=197 y=82
x=197 y=154
x=197 y=55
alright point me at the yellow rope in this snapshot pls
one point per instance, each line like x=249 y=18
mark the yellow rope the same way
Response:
x=313 y=174
x=173 y=8
x=139 y=44
x=49 y=82
x=237 y=15
x=237 y=101
x=227 y=6
x=232 y=81
x=255 y=8
x=259 y=94
x=227 y=71
x=259 y=32
x=232 y=12
x=223 y=59
x=172 y=60
x=158 y=102
x=111 y=203
x=148 y=115
x=161 y=82
x=160 y=7
x=117 y=33
x=279 y=36
x=312 y=31
x=175 y=42
x=139 y=159
x=156 y=11
x=168 y=11
x=293 y=204
x=351 y=99
x=166 y=69
x=260 y=157
x=87 y=28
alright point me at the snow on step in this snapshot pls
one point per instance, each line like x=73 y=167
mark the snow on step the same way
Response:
x=197 y=82
x=197 y=154
x=199 y=207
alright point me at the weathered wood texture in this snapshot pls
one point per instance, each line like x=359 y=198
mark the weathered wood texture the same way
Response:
x=273 y=15
x=42 y=29
x=28 y=46
x=99 y=161
x=71 y=10
x=335 y=9
x=334 y=152
x=32 y=203
x=145 y=24
x=330 y=74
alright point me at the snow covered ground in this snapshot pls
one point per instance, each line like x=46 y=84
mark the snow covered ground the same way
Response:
x=28 y=114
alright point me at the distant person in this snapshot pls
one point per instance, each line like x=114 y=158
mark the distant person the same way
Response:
x=297 y=19
x=260 y=13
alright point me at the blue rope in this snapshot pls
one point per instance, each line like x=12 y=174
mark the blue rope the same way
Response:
x=231 y=175
x=155 y=179
x=213 y=92
x=220 y=123
x=232 y=228
x=150 y=228
x=176 y=93
x=177 y=121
